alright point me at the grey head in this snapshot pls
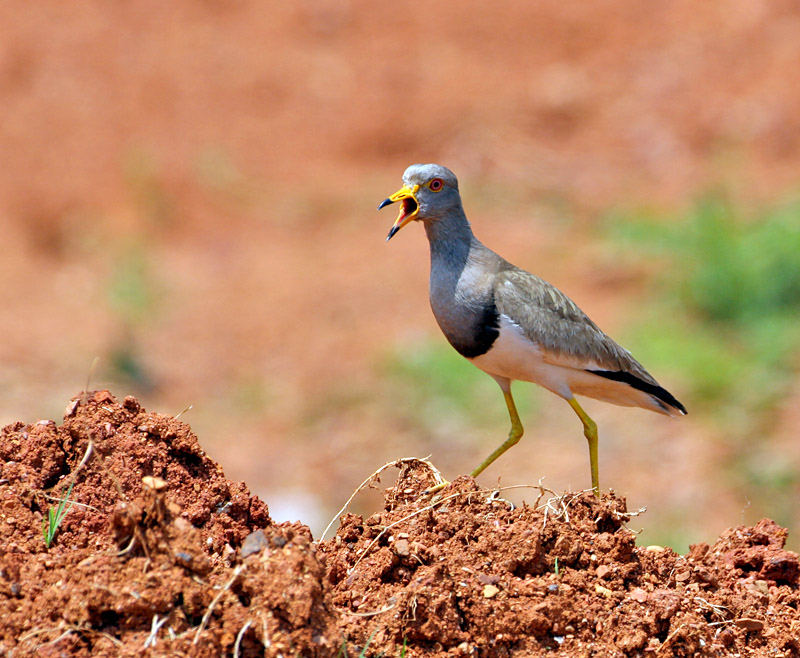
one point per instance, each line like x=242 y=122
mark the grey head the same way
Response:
x=429 y=194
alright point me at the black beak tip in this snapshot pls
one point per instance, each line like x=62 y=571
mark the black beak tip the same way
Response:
x=392 y=231
x=385 y=203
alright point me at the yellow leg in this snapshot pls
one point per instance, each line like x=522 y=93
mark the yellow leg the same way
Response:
x=513 y=436
x=590 y=432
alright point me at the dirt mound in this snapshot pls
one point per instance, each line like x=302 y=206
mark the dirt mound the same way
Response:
x=470 y=575
x=159 y=554
x=150 y=555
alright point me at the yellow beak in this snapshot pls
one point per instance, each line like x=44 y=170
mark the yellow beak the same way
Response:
x=408 y=208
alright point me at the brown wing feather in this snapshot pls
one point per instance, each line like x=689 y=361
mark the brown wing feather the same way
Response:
x=564 y=333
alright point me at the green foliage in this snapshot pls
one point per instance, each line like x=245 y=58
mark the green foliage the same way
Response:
x=54 y=517
x=133 y=294
x=743 y=271
x=127 y=365
x=131 y=285
x=728 y=297
x=723 y=312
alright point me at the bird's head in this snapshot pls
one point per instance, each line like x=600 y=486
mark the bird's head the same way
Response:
x=429 y=193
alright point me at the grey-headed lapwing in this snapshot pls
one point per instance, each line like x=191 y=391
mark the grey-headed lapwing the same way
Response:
x=512 y=324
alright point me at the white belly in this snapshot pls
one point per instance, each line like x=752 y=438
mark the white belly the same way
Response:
x=515 y=357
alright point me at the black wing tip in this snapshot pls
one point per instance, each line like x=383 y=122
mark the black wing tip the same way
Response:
x=661 y=394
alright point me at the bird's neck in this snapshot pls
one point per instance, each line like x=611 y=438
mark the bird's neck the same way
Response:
x=451 y=240
x=450 y=237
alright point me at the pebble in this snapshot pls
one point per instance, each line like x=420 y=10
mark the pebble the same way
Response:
x=490 y=591
x=749 y=624
x=154 y=483
x=603 y=590
x=603 y=570
x=253 y=543
x=761 y=586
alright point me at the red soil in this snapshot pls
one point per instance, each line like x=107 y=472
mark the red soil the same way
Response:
x=160 y=555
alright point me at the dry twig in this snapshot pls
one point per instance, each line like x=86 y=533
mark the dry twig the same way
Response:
x=371 y=478
x=239 y=637
x=207 y=615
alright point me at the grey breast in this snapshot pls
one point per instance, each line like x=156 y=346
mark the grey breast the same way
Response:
x=462 y=294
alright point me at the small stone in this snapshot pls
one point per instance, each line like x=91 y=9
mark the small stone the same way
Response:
x=102 y=397
x=726 y=637
x=154 y=483
x=181 y=524
x=255 y=542
x=639 y=595
x=749 y=624
x=707 y=576
x=683 y=576
x=401 y=548
x=654 y=549
x=603 y=570
x=71 y=408
x=490 y=591
x=604 y=591
x=131 y=404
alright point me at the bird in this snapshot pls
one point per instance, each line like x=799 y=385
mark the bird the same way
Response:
x=514 y=325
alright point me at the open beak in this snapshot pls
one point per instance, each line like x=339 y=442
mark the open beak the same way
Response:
x=408 y=207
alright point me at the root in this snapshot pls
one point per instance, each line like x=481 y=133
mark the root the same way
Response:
x=398 y=462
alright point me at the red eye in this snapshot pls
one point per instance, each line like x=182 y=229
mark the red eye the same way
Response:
x=436 y=184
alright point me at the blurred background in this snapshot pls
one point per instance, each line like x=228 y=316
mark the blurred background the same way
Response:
x=188 y=192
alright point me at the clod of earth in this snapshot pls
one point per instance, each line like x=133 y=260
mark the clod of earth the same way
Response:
x=161 y=555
